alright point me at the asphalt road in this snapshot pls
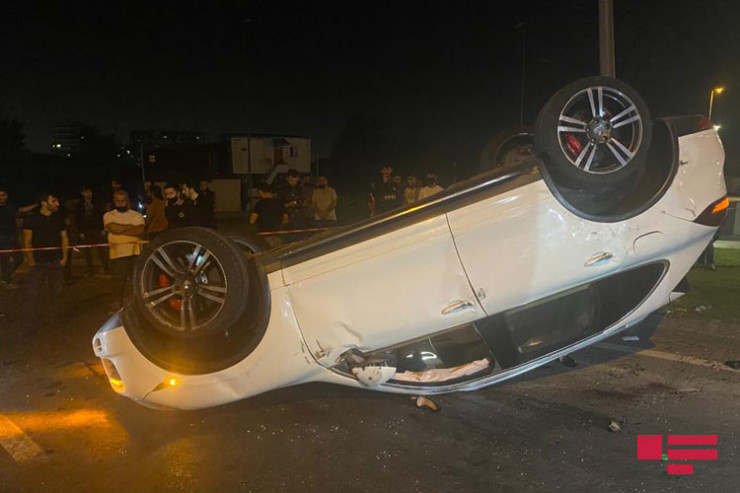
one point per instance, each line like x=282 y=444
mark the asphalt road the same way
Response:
x=63 y=429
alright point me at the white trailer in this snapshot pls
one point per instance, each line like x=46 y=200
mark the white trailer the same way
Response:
x=260 y=154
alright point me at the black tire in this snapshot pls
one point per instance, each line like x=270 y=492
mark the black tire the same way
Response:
x=248 y=243
x=508 y=148
x=190 y=283
x=593 y=134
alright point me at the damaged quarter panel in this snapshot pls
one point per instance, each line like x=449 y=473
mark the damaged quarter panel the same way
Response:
x=699 y=180
x=385 y=290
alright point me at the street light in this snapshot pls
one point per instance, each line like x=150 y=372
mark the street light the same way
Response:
x=716 y=90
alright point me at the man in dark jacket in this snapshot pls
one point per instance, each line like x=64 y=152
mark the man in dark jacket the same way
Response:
x=178 y=210
x=268 y=214
x=384 y=195
x=293 y=197
x=202 y=211
x=88 y=221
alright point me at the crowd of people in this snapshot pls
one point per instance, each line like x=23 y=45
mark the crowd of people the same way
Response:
x=107 y=225
x=390 y=192
x=44 y=234
x=297 y=205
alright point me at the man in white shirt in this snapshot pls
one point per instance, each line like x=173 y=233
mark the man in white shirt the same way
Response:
x=125 y=228
x=324 y=200
x=430 y=187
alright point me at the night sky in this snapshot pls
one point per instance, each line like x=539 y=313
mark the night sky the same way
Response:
x=447 y=71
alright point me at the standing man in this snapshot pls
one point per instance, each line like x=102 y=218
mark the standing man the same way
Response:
x=293 y=198
x=125 y=228
x=8 y=240
x=430 y=187
x=203 y=214
x=88 y=221
x=324 y=202
x=384 y=195
x=45 y=230
x=269 y=214
x=177 y=211
x=206 y=194
x=411 y=192
x=156 y=221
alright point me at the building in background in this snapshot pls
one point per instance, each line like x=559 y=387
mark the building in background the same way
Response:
x=158 y=138
x=66 y=138
x=172 y=154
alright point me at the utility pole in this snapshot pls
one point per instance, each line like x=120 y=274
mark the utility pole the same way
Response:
x=523 y=27
x=606 y=38
x=245 y=32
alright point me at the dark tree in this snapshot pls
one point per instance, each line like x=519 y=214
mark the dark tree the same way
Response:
x=13 y=151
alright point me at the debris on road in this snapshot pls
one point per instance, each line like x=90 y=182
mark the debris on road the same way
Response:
x=567 y=361
x=676 y=310
x=426 y=402
x=702 y=308
x=615 y=426
x=733 y=363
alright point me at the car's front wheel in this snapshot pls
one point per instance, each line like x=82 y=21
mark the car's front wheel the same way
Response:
x=200 y=302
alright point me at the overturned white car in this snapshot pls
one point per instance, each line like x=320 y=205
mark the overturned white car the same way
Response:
x=511 y=269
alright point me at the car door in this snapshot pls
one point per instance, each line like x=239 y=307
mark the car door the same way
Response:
x=393 y=287
x=522 y=245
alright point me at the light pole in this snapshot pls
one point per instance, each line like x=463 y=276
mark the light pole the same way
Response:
x=716 y=90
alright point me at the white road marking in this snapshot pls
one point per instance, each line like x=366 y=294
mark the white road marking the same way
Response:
x=651 y=353
x=17 y=443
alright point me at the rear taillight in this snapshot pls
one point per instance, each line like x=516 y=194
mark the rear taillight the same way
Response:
x=715 y=214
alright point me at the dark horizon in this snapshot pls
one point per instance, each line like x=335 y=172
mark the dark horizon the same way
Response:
x=448 y=76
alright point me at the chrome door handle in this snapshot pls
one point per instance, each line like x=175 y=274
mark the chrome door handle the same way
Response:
x=599 y=257
x=456 y=306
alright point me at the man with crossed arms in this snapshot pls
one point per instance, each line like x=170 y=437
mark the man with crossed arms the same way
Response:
x=125 y=227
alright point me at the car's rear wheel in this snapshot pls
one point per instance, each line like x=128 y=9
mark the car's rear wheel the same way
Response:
x=229 y=295
x=508 y=148
x=594 y=134
x=190 y=282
